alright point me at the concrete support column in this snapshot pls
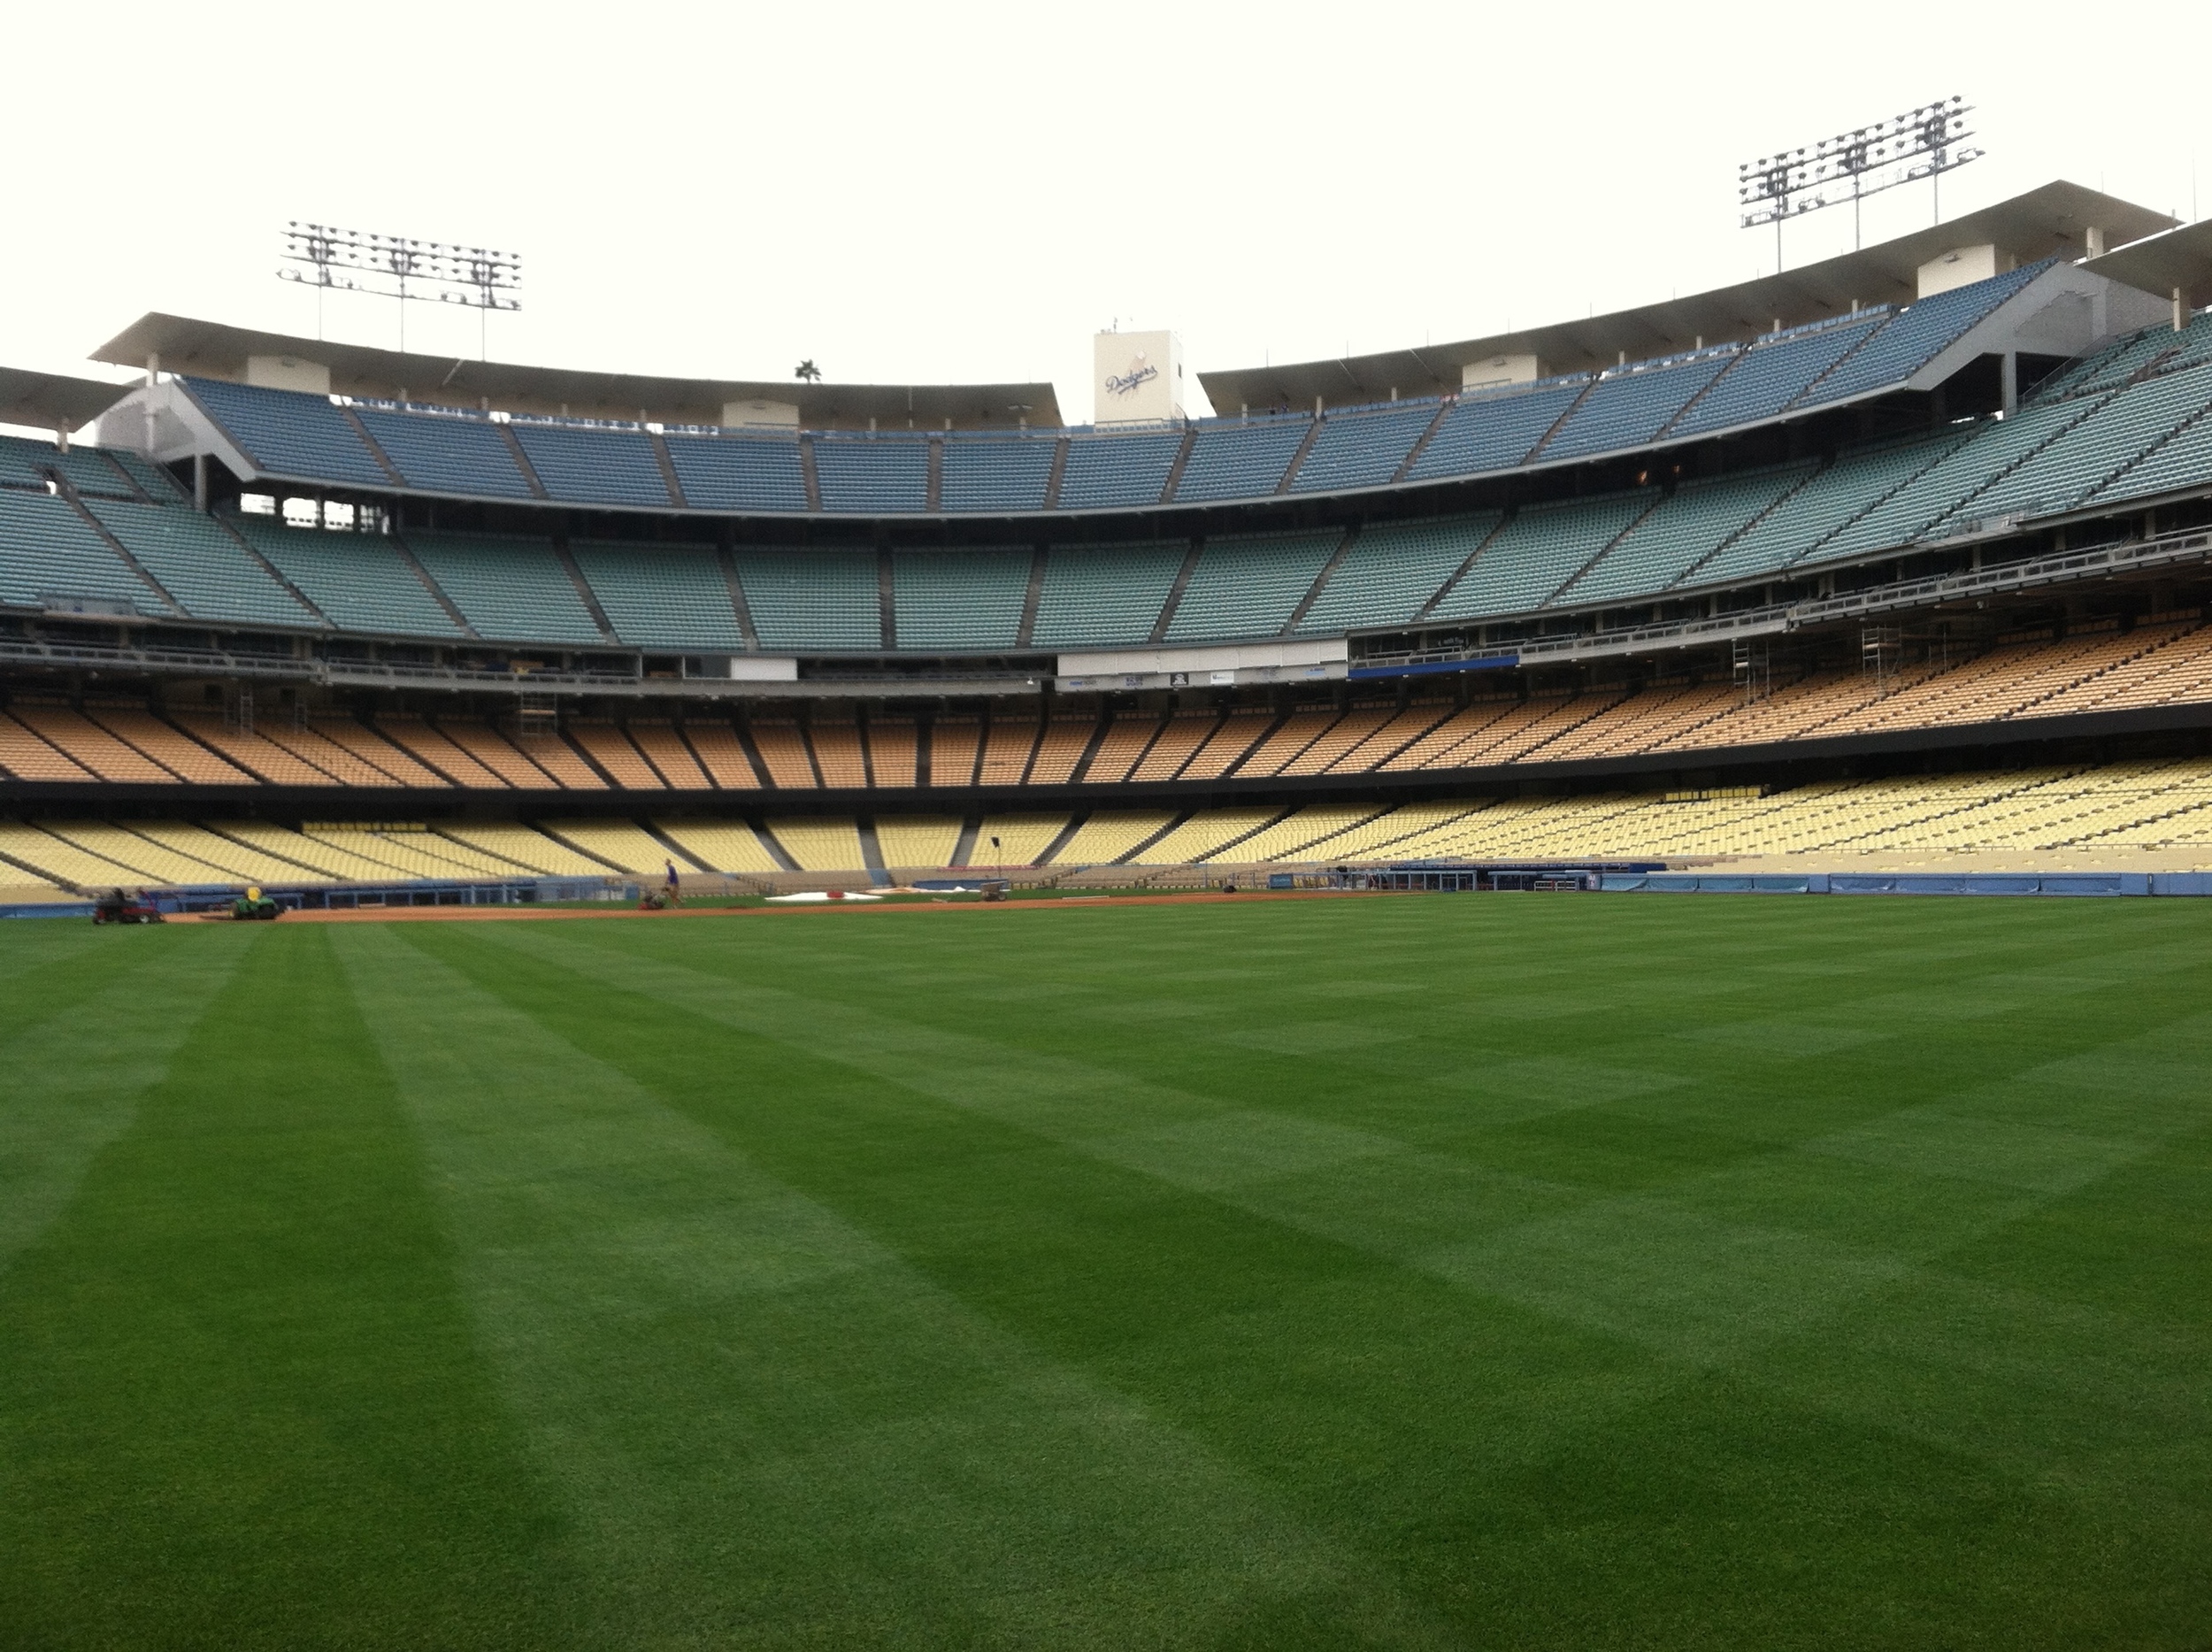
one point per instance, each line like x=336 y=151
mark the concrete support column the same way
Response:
x=2181 y=311
x=2009 y=381
x=199 y=482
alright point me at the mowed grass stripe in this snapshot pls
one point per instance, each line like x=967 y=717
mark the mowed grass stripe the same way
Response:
x=770 y=1428
x=73 y=1078
x=1686 y=1283
x=1293 y=1356
x=30 y=946
x=240 y=1405
x=44 y=978
x=1724 y=1287
x=1529 y=1272
x=1421 y=1423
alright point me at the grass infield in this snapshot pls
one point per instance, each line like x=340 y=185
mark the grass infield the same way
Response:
x=1505 y=1271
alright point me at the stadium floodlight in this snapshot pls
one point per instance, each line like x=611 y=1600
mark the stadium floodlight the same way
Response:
x=1923 y=142
x=362 y=261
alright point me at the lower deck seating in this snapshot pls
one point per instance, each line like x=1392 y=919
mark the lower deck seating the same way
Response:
x=2083 y=812
x=817 y=844
x=918 y=840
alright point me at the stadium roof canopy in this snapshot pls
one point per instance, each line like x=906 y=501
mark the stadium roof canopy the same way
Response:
x=2055 y=219
x=53 y=401
x=2177 y=259
x=213 y=349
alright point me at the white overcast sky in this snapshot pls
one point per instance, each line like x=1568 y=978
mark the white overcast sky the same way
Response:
x=926 y=193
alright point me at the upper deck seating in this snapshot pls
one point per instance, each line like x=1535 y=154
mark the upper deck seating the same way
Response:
x=1392 y=570
x=1129 y=469
x=995 y=471
x=153 y=480
x=2114 y=362
x=511 y=589
x=200 y=565
x=1238 y=458
x=1109 y=595
x=959 y=599
x=2136 y=420
x=1821 y=507
x=872 y=473
x=1362 y=448
x=739 y=473
x=357 y=580
x=1681 y=530
x=1246 y=586
x=1493 y=430
x=1765 y=379
x=47 y=553
x=662 y=596
x=1915 y=337
x=1954 y=479
x=288 y=433
x=448 y=453
x=23 y=463
x=813 y=599
x=594 y=467
x=1538 y=551
x=93 y=473
x=2181 y=459
x=1627 y=407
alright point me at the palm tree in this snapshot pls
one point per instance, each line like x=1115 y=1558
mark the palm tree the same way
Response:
x=807 y=370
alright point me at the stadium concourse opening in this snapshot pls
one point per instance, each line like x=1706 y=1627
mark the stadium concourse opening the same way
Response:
x=1911 y=569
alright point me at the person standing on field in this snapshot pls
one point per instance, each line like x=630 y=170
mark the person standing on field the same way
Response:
x=674 y=886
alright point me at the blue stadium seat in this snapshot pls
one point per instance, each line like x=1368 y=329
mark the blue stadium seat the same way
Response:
x=1494 y=430
x=1538 y=551
x=1628 y=407
x=286 y=432
x=1680 y=532
x=200 y=565
x=23 y=462
x=357 y=578
x=513 y=589
x=1111 y=594
x=1363 y=448
x=585 y=466
x=996 y=471
x=1821 y=506
x=1248 y=586
x=1240 y=458
x=2135 y=422
x=872 y=473
x=1392 y=570
x=813 y=599
x=92 y=471
x=959 y=599
x=1915 y=337
x=1772 y=374
x=662 y=596
x=1104 y=471
x=46 y=552
x=449 y=455
x=747 y=473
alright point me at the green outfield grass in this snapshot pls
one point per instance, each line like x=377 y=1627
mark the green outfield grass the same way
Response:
x=1490 y=1271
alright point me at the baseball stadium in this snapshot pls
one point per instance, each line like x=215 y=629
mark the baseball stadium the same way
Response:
x=1546 y=990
